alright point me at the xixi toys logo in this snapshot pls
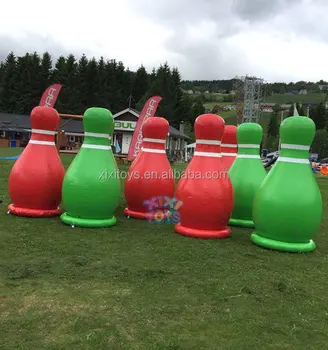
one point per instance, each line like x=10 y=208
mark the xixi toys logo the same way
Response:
x=163 y=209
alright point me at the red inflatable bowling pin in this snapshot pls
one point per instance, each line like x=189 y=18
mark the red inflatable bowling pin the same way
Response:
x=205 y=188
x=150 y=175
x=229 y=146
x=35 y=181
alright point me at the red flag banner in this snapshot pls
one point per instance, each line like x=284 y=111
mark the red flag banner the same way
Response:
x=50 y=95
x=148 y=110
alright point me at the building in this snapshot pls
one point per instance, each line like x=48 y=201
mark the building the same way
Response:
x=16 y=129
x=125 y=123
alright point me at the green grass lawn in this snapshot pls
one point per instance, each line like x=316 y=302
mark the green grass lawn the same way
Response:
x=141 y=286
x=211 y=104
x=309 y=98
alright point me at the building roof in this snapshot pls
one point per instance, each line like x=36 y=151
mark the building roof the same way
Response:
x=172 y=131
x=17 y=122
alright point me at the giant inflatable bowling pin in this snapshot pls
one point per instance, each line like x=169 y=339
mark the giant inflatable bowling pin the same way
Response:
x=288 y=207
x=36 y=178
x=246 y=173
x=150 y=175
x=91 y=187
x=229 y=146
x=205 y=188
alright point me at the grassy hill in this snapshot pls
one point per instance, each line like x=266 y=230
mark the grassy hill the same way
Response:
x=231 y=116
x=287 y=99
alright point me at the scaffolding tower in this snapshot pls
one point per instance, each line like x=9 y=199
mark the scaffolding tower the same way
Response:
x=249 y=94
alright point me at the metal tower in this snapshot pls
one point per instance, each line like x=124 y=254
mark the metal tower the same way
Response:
x=249 y=93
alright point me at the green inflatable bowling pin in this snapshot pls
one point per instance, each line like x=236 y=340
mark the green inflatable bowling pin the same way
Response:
x=288 y=207
x=246 y=173
x=91 y=186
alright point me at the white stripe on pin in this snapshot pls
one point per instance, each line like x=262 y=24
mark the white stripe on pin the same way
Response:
x=150 y=150
x=251 y=156
x=106 y=148
x=298 y=147
x=207 y=154
x=154 y=140
x=229 y=154
x=44 y=132
x=229 y=145
x=293 y=160
x=45 y=143
x=208 y=142
x=245 y=145
x=95 y=134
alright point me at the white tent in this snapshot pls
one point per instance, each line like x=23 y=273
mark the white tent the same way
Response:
x=189 y=148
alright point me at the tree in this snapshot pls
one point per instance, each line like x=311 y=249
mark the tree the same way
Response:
x=46 y=71
x=319 y=116
x=91 y=82
x=197 y=109
x=35 y=80
x=23 y=91
x=141 y=84
x=320 y=143
x=182 y=105
x=290 y=111
x=273 y=126
x=122 y=90
x=271 y=143
x=9 y=77
x=82 y=81
x=112 y=86
x=102 y=84
x=164 y=86
x=65 y=73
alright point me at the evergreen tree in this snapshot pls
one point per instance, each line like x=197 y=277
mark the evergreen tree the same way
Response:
x=65 y=73
x=164 y=86
x=320 y=143
x=273 y=127
x=180 y=105
x=197 y=109
x=102 y=87
x=127 y=89
x=46 y=71
x=9 y=76
x=152 y=76
x=112 y=93
x=291 y=111
x=319 y=116
x=92 y=84
x=2 y=73
x=35 y=80
x=122 y=93
x=23 y=89
x=71 y=87
x=82 y=79
x=89 y=83
x=141 y=84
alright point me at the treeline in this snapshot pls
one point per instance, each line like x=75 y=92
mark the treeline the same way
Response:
x=89 y=82
x=318 y=113
x=225 y=86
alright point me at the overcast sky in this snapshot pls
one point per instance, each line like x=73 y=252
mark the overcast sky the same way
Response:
x=278 y=40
